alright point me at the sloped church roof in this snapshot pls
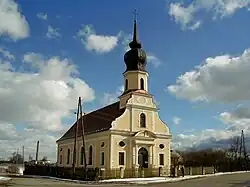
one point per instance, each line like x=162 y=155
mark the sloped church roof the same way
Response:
x=96 y=121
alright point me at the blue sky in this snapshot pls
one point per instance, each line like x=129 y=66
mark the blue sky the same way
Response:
x=206 y=39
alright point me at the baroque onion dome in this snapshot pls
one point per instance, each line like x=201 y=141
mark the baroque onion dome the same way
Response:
x=135 y=58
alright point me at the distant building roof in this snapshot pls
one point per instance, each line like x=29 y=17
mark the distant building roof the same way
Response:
x=96 y=121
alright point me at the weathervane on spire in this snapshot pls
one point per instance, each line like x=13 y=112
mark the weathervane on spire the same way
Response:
x=135 y=14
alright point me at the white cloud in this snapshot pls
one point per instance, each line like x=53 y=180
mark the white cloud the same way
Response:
x=220 y=79
x=186 y=15
x=207 y=138
x=237 y=120
x=151 y=58
x=42 y=16
x=33 y=58
x=53 y=32
x=6 y=54
x=176 y=120
x=127 y=38
x=97 y=43
x=12 y=23
x=12 y=140
x=38 y=100
x=218 y=138
x=109 y=98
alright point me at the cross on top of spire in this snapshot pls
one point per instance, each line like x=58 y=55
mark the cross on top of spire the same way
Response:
x=135 y=43
x=135 y=15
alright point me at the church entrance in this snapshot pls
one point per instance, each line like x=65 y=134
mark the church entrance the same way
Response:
x=143 y=157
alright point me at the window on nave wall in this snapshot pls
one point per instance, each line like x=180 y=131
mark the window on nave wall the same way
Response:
x=90 y=155
x=142 y=120
x=81 y=161
x=68 y=156
x=102 y=159
x=60 y=159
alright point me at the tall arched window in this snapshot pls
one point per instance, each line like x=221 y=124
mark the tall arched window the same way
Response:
x=126 y=84
x=81 y=161
x=142 y=120
x=142 y=83
x=68 y=156
x=90 y=155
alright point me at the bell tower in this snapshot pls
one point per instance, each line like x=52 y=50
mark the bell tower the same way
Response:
x=135 y=76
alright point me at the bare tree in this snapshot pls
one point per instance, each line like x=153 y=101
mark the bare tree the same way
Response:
x=16 y=158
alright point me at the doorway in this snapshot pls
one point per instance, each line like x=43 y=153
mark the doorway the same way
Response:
x=143 y=157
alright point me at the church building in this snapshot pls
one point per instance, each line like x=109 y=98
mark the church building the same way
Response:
x=126 y=134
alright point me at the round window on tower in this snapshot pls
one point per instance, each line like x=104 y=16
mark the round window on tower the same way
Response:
x=121 y=143
x=161 y=146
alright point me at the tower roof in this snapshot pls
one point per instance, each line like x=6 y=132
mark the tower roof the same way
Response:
x=135 y=43
x=135 y=58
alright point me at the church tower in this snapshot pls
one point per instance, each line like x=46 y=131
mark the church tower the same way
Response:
x=135 y=76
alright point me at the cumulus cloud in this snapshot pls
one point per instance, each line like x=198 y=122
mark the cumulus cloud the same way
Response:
x=176 y=120
x=6 y=54
x=109 y=98
x=186 y=15
x=53 y=33
x=208 y=138
x=12 y=23
x=220 y=79
x=38 y=100
x=155 y=61
x=12 y=140
x=95 y=42
x=42 y=16
x=236 y=121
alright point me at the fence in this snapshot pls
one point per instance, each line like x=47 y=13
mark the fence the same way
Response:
x=97 y=173
x=93 y=173
x=193 y=171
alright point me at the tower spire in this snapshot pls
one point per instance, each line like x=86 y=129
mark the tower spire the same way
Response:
x=135 y=43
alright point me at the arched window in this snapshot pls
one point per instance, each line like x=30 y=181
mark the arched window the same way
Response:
x=126 y=84
x=142 y=83
x=81 y=161
x=68 y=156
x=90 y=155
x=142 y=120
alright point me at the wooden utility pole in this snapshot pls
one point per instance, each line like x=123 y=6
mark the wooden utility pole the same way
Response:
x=79 y=121
x=75 y=142
x=83 y=136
